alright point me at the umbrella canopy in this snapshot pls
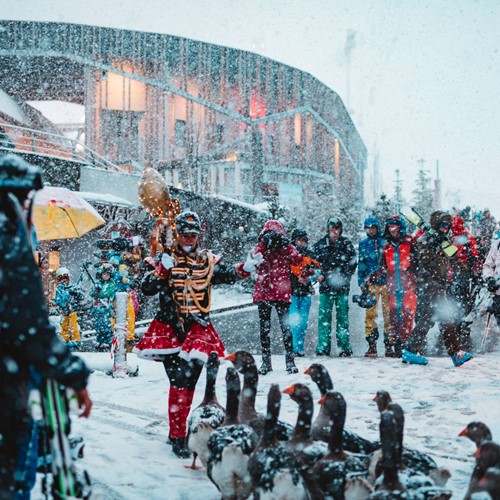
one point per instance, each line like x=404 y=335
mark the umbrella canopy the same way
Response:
x=59 y=213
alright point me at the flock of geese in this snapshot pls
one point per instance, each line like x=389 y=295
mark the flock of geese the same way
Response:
x=248 y=453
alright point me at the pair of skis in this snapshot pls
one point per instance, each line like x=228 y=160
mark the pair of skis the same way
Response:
x=67 y=482
x=411 y=215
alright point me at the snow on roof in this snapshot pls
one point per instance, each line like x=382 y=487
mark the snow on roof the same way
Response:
x=105 y=198
x=10 y=108
x=260 y=208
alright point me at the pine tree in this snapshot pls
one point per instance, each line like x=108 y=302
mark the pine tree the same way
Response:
x=423 y=194
x=383 y=209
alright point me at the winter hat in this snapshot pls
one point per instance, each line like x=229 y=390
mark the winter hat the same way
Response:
x=188 y=222
x=62 y=271
x=334 y=221
x=394 y=219
x=299 y=234
x=272 y=225
x=371 y=221
x=439 y=217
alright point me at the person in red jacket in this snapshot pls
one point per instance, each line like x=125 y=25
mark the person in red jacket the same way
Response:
x=273 y=289
x=398 y=261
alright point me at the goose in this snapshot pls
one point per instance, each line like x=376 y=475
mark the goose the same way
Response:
x=477 y=432
x=306 y=450
x=244 y=362
x=230 y=446
x=273 y=468
x=487 y=456
x=321 y=426
x=207 y=416
x=413 y=461
x=332 y=471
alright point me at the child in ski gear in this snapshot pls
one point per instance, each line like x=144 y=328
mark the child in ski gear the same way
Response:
x=433 y=270
x=398 y=263
x=369 y=261
x=302 y=290
x=27 y=339
x=273 y=289
x=103 y=292
x=337 y=257
x=123 y=283
x=182 y=335
x=67 y=300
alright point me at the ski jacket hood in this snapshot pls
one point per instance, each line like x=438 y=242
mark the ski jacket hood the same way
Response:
x=372 y=221
x=394 y=219
x=272 y=225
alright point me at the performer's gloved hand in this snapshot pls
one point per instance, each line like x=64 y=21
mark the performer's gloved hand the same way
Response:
x=253 y=261
x=167 y=262
x=491 y=284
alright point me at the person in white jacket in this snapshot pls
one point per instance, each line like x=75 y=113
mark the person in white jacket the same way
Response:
x=491 y=275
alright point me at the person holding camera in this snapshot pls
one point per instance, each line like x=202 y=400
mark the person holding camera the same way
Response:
x=491 y=276
x=433 y=272
x=273 y=257
x=369 y=260
x=28 y=341
x=337 y=257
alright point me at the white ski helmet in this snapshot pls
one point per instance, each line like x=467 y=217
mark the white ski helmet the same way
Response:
x=62 y=271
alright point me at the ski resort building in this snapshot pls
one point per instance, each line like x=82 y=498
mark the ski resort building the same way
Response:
x=212 y=119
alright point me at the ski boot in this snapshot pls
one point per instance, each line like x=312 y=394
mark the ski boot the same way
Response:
x=179 y=447
x=290 y=364
x=372 y=345
x=346 y=353
x=322 y=353
x=413 y=359
x=389 y=352
x=266 y=366
x=461 y=357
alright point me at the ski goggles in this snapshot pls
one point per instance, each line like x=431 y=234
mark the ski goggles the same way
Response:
x=445 y=224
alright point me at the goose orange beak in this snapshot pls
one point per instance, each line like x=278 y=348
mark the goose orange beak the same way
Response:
x=463 y=432
x=289 y=390
x=321 y=400
x=307 y=371
x=231 y=357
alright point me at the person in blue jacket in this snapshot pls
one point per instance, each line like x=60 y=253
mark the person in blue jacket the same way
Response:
x=370 y=257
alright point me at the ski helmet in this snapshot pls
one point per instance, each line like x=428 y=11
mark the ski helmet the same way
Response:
x=62 y=271
x=188 y=222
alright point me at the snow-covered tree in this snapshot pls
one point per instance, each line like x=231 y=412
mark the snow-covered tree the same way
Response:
x=423 y=195
x=383 y=208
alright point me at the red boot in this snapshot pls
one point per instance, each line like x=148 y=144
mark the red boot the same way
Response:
x=177 y=417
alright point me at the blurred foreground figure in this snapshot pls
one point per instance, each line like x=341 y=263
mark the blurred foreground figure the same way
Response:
x=27 y=340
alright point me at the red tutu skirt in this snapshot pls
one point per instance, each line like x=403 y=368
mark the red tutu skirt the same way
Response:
x=160 y=339
x=200 y=342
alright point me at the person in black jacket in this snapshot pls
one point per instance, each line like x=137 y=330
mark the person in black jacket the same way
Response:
x=27 y=339
x=337 y=257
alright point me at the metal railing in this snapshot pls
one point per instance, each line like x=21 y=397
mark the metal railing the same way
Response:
x=16 y=139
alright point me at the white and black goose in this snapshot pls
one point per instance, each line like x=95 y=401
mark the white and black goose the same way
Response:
x=230 y=446
x=273 y=468
x=207 y=417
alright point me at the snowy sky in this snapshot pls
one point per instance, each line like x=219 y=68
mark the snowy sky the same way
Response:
x=421 y=78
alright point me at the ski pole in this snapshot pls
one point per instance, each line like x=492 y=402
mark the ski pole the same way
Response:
x=486 y=332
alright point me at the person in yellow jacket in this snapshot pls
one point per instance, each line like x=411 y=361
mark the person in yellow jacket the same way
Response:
x=123 y=283
x=66 y=299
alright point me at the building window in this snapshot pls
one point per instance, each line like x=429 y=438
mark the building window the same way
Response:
x=219 y=134
x=180 y=133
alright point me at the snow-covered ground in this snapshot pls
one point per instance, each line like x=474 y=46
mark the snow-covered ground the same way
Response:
x=127 y=455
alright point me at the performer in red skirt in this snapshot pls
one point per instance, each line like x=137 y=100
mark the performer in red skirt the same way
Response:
x=181 y=334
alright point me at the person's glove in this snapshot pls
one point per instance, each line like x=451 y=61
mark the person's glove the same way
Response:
x=253 y=261
x=491 y=284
